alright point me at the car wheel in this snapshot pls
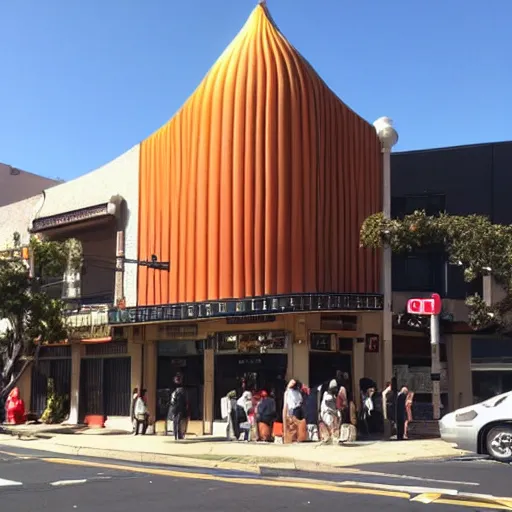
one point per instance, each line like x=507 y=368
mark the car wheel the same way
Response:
x=499 y=443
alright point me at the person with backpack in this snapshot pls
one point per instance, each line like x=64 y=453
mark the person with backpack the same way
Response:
x=178 y=409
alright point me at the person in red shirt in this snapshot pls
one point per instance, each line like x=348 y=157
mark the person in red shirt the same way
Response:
x=15 y=408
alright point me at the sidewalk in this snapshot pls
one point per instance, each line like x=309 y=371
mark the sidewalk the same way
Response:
x=206 y=452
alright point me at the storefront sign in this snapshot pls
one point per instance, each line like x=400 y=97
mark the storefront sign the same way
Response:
x=240 y=308
x=338 y=323
x=425 y=306
x=20 y=253
x=249 y=361
x=371 y=344
x=259 y=342
x=252 y=319
x=180 y=348
x=173 y=332
x=88 y=324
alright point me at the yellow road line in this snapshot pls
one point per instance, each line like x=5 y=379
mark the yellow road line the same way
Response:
x=235 y=480
x=17 y=455
x=427 y=498
x=475 y=504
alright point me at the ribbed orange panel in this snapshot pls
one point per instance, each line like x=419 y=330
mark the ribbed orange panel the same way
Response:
x=260 y=183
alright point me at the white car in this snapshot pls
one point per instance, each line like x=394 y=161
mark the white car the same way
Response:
x=484 y=428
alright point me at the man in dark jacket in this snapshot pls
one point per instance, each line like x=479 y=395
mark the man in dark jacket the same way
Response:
x=178 y=409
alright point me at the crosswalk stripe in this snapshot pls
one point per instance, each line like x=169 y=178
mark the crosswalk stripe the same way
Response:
x=7 y=483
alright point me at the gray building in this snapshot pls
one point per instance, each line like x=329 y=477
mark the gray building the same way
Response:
x=16 y=185
x=460 y=180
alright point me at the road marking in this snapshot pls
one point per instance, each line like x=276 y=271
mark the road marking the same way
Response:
x=426 y=498
x=8 y=483
x=410 y=489
x=419 y=478
x=465 y=500
x=16 y=455
x=234 y=480
x=60 y=483
x=472 y=504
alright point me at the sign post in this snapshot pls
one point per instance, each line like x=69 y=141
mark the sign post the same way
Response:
x=432 y=307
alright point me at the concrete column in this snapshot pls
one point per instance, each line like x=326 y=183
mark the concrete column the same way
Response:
x=298 y=352
x=74 y=402
x=374 y=363
x=358 y=369
x=135 y=351
x=460 y=382
x=150 y=366
x=208 y=391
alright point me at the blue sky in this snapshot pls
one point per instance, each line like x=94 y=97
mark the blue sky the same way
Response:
x=84 y=80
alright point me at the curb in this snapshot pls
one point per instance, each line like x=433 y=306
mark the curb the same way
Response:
x=277 y=469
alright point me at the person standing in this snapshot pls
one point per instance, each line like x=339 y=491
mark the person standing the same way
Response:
x=141 y=413
x=178 y=409
x=401 y=413
x=294 y=423
x=329 y=415
x=135 y=394
x=408 y=412
x=265 y=417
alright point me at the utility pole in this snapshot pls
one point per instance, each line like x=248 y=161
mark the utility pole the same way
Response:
x=435 y=371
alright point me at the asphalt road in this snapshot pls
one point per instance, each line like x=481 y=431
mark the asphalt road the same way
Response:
x=32 y=480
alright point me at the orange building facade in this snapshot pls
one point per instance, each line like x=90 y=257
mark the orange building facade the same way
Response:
x=254 y=193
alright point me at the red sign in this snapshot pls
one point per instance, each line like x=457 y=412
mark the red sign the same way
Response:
x=426 y=306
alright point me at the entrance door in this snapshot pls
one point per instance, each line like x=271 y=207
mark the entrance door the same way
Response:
x=255 y=372
x=324 y=365
x=57 y=369
x=117 y=380
x=105 y=386
x=192 y=370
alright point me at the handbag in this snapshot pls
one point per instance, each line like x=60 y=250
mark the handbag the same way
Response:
x=140 y=417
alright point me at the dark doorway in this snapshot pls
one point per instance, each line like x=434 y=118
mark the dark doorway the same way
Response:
x=191 y=368
x=57 y=369
x=255 y=372
x=324 y=365
x=105 y=386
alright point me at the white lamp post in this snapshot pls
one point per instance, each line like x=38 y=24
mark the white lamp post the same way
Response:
x=388 y=138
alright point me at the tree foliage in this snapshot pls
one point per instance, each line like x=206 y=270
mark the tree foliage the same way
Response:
x=472 y=242
x=28 y=316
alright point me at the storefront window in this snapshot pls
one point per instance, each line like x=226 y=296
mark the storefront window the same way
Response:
x=487 y=384
x=321 y=341
x=253 y=342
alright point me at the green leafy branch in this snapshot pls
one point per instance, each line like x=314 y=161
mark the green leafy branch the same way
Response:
x=472 y=242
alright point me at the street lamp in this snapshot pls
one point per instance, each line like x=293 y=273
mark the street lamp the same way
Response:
x=388 y=137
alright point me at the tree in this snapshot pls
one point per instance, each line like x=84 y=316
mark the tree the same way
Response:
x=29 y=316
x=472 y=242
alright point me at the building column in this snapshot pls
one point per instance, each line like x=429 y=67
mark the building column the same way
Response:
x=208 y=391
x=358 y=370
x=298 y=351
x=135 y=351
x=74 y=402
x=150 y=369
x=460 y=382
x=374 y=363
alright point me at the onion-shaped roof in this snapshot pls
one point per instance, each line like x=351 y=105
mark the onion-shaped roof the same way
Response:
x=260 y=182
